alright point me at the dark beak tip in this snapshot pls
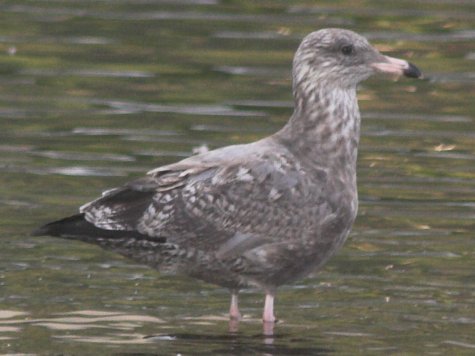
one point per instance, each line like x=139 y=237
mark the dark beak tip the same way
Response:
x=412 y=71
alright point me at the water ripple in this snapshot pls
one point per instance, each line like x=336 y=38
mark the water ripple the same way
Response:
x=253 y=71
x=459 y=343
x=374 y=11
x=83 y=171
x=115 y=322
x=74 y=170
x=222 y=128
x=106 y=131
x=87 y=73
x=465 y=35
x=420 y=117
x=258 y=35
x=129 y=107
x=81 y=156
x=52 y=14
x=263 y=103
x=82 y=40
x=454 y=77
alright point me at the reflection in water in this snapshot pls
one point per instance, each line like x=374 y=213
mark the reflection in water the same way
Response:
x=237 y=344
x=268 y=331
x=122 y=329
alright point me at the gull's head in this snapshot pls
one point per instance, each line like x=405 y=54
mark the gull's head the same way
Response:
x=341 y=59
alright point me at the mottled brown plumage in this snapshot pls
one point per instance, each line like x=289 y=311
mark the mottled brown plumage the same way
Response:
x=265 y=213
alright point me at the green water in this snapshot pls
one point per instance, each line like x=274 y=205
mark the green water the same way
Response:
x=94 y=93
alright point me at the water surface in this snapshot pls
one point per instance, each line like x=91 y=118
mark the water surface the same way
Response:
x=94 y=93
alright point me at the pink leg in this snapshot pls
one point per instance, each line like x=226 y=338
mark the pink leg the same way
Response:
x=234 y=313
x=268 y=315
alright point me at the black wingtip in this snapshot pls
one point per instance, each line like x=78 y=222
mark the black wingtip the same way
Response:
x=76 y=227
x=67 y=226
x=413 y=72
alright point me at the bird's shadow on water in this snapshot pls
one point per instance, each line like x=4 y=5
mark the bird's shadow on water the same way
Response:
x=236 y=343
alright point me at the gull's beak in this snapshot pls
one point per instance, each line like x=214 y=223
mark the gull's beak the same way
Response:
x=397 y=66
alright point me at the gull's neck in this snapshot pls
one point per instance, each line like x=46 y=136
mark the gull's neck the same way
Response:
x=324 y=129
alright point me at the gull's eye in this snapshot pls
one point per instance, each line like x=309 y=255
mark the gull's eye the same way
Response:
x=347 y=50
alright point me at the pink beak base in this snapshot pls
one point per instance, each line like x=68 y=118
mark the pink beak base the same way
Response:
x=397 y=66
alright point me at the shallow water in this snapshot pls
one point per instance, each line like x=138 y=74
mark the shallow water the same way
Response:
x=93 y=93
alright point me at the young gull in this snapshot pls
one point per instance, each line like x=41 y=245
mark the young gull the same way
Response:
x=265 y=213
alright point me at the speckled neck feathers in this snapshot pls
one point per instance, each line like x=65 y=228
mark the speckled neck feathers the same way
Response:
x=324 y=128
